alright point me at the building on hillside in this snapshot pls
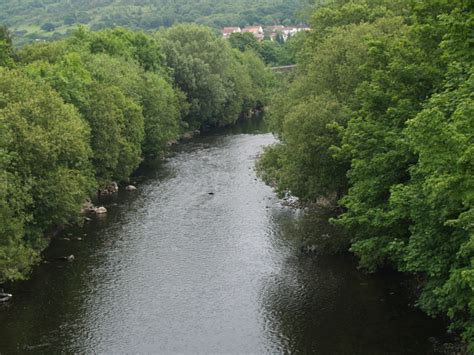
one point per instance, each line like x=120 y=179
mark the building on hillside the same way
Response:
x=257 y=31
x=270 y=32
x=227 y=31
x=303 y=28
x=285 y=32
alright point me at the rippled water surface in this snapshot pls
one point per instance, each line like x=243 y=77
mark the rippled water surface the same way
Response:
x=202 y=259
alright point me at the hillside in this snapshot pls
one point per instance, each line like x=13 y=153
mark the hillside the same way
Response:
x=51 y=19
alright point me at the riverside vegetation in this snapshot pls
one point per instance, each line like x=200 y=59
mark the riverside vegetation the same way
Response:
x=379 y=120
x=79 y=113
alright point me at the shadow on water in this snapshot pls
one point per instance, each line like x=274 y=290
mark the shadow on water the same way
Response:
x=321 y=304
x=253 y=125
x=172 y=268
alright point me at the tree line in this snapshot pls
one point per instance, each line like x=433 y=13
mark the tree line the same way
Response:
x=378 y=122
x=46 y=19
x=80 y=113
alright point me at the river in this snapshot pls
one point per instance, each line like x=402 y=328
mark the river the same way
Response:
x=203 y=258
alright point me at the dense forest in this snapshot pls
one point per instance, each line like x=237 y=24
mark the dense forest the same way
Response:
x=78 y=114
x=378 y=122
x=52 y=19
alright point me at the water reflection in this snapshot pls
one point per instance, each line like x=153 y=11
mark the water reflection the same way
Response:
x=321 y=304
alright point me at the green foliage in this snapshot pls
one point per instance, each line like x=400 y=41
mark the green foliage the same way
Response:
x=311 y=114
x=199 y=62
x=305 y=164
x=287 y=53
x=48 y=52
x=6 y=47
x=439 y=198
x=48 y=27
x=161 y=112
x=123 y=43
x=15 y=256
x=208 y=71
x=261 y=81
x=46 y=169
x=399 y=144
x=244 y=41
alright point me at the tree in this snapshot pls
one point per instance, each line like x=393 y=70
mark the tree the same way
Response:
x=244 y=41
x=123 y=43
x=47 y=171
x=6 y=47
x=161 y=112
x=202 y=68
x=304 y=163
x=438 y=200
x=122 y=79
x=48 y=27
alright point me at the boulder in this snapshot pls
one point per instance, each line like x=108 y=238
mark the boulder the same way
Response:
x=113 y=187
x=4 y=297
x=109 y=189
x=100 y=210
x=130 y=188
x=69 y=258
x=187 y=135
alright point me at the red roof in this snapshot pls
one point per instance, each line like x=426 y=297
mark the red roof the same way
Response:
x=253 y=29
x=228 y=30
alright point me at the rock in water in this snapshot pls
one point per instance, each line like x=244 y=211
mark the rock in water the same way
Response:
x=69 y=258
x=113 y=187
x=187 y=135
x=109 y=189
x=4 y=297
x=100 y=210
x=130 y=188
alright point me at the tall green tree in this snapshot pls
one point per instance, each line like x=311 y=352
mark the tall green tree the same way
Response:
x=207 y=70
x=439 y=198
x=6 y=47
x=47 y=173
x=161 y=110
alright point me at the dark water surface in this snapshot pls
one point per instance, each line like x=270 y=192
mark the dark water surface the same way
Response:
x=174 y=269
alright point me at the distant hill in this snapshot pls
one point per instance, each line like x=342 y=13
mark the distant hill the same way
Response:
x=49 y=19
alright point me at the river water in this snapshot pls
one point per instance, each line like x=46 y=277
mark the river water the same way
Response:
x=203 y=258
